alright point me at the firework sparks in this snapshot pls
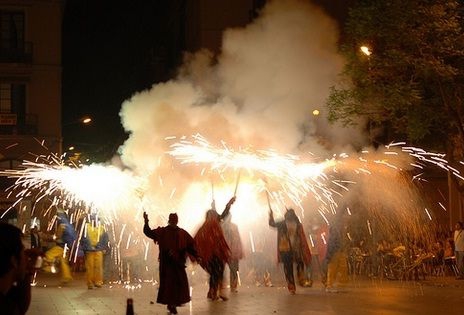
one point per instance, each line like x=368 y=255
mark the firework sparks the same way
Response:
x=296 y=180
x=288 y=178
x=282 y=177
x=396 y=165
x=104 y=188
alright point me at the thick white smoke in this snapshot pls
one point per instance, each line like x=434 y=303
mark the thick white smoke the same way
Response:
x=260 y=92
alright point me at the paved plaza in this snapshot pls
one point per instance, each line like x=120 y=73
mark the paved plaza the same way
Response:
x=436 y=295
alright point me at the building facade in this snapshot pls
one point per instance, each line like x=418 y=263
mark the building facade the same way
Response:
x=30 y=85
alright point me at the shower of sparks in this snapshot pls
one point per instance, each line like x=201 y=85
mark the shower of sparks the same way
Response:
x=386 y=178
x=296 y=180
x=285 y=178
x=99 y=187
x=282 y=177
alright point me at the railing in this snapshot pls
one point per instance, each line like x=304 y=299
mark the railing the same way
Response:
x=18 y=52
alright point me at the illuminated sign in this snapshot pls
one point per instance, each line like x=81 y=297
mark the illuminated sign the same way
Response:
x=7 y=119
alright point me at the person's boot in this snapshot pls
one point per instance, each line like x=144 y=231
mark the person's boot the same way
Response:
x=212 y=294
x=172 y=309
x=267 y=279
x=233 y=286
x=291 y=288
x=222 y=292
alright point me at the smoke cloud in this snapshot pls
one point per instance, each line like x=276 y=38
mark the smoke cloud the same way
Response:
x=259 y=92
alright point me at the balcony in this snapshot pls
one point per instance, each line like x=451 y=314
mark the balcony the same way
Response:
x=15 y=52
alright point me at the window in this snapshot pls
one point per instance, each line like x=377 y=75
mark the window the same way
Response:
x=13 y=98
x=12 y=29
x=13 y=108
x=5 y=98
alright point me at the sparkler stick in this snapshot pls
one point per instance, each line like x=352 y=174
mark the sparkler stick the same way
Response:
x=238 y=180
x=268 y=200
x=252 y=242
x=267 y=195
x=213 y=202
x=212 y=189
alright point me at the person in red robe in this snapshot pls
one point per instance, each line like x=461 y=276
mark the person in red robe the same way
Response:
x=292 y=248
x=175 y=244
x=213 y=250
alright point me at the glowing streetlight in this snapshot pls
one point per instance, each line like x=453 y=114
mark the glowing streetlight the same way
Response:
x=366 y=50
x=83 y=120
x=315 y=112
x=71 y=148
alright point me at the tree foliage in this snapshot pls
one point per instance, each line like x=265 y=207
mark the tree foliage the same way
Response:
x=414 y=78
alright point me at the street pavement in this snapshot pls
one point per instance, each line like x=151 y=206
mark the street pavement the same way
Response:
x=436 y=295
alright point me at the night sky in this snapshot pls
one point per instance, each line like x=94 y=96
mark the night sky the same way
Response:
x=112 y=49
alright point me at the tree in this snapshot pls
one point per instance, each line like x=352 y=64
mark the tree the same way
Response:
x=413 y=80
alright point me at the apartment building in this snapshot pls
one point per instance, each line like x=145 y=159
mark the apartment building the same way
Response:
x=30 y=85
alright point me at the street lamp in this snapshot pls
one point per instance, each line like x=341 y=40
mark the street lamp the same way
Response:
x=366 y=50
x=72 y=127
x=83 y=120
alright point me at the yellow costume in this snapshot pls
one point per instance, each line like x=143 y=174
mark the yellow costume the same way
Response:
x=95 y=243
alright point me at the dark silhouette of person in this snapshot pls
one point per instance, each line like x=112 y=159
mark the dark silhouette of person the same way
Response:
x=16 y=270
x=175 y=244
x=232 y=236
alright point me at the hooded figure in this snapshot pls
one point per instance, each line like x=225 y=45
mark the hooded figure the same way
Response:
x=66 y=234
x=292 y=248
x=213 y=249
x=174 y=246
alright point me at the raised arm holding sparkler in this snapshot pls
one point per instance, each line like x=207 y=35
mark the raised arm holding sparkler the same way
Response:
x=226 y=211
x=174 y=246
